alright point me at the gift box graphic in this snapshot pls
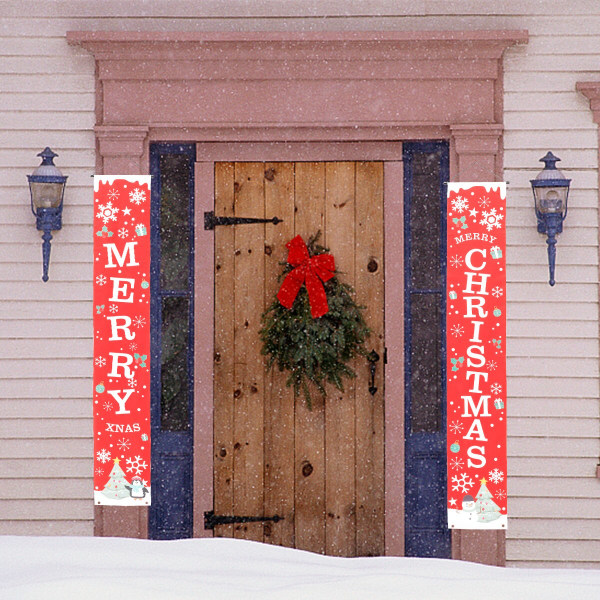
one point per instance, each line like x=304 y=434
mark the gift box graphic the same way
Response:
x=140 y=229
x=498 y=403
x=496 y=252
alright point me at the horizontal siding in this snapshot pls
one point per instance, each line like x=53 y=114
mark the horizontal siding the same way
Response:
x=552 y=343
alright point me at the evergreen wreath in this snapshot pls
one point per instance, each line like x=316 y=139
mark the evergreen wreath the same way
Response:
x=315 y=350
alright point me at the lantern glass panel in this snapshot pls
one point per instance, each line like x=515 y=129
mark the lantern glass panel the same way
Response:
x=46 y=195
x=550 y=199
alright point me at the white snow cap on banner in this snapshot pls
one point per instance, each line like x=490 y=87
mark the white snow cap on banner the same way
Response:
x=110 y=179
x=455 y=186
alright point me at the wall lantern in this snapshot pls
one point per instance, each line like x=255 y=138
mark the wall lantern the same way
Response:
x=47 y=188
x=550 y=193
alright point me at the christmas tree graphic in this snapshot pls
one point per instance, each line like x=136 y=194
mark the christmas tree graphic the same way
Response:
x=485 y=508
x=115 y=487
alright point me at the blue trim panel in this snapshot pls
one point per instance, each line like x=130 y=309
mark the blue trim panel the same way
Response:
x=426 y=531
x=171 y=513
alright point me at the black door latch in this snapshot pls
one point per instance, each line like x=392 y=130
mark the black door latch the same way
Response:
x=211 y=520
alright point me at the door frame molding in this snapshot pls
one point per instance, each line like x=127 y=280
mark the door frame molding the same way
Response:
x=390 y=153
x=300 y=86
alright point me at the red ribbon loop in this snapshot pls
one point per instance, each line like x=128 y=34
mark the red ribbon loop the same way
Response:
x=311 y=271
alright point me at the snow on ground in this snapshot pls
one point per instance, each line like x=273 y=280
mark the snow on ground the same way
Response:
x=53 y=568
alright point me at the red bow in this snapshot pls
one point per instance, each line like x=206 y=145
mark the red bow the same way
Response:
x=309 y=270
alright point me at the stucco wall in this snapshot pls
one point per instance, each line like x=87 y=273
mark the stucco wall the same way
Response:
x=47 y=98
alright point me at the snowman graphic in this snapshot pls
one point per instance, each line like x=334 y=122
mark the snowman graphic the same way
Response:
x=468 y=507
x=137 y=488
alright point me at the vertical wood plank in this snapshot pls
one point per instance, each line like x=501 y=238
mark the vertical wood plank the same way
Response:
x=340 y=528
x=394 y=340
x=310 y=425
x=370 y=409
x=223 y=353
x=279 y=399
x=248 y=464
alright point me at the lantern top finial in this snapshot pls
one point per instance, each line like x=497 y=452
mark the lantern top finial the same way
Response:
x=47 y=156
x=549 y=161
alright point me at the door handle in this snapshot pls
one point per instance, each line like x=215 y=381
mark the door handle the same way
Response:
x=373 y=358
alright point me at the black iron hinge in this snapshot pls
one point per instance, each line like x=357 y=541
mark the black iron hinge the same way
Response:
x=211 y=520
x=210 y=221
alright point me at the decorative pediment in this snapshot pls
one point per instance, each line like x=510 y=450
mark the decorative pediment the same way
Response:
x=298 y=79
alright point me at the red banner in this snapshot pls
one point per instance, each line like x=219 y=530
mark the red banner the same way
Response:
x=476 y=359
x=122 y=340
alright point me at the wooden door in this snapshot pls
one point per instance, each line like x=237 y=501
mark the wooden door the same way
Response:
x=322 y=470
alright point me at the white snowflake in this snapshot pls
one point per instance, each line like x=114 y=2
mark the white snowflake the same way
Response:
x=101 y=279
x=500 y=494
x=100 y=361
x=456 y=261
x=124 y=444
x=484 y=202
x=144 y=483
x=460 y=204
x=496 y=388
x=132 y=382
x=462 y=483
x=107 y=406
x=497 y=291
x=496 y=476
x=133 y=346
x=123 y=233
x=456 y=427
x=492 y=365
x=137 y=196
x=457 y=330
x=139 y=321
x=107 y=212
x=456 y=464
x=113 y=194
x=136 y=465
x=99 y=471
x=491 y=219
x=103 y=455
x=113 y=308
